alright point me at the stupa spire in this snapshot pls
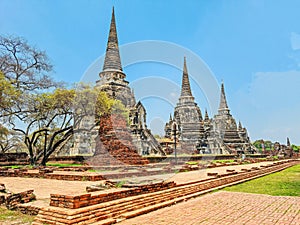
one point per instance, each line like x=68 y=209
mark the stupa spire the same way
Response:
x=223 y=102
x=288 y=143
x=240 y=126
x=206 y=118
x=112 y=60
x=185 y=86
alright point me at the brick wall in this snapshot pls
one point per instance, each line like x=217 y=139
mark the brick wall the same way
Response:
x=78 y=201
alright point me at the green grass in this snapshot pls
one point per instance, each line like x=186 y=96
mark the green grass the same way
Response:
x=192 y=163
x=63 y=165
x=223 y=161
x=283 y=183
x=120 y=183
x=8 y=215
x=14 y=167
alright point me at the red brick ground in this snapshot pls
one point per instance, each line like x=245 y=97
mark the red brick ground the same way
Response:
x=222 y=208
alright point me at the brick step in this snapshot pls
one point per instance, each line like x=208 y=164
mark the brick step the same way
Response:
x=192 y=190
x=151 y=200
x=180 y=199
x=185 y=191
x=138 y=202
x=116 y=210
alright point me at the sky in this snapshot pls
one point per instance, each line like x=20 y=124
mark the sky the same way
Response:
x=253 y=46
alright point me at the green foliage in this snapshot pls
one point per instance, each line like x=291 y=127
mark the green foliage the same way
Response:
x=14 y=217
x=223 y=161
x=9 y=95
x=46 y=114
x=192 y=163
x=120 y=183
x=284 y=183
x=295 y=148
x=157 y=136
x=64 y=165
x=268 y=144
x=106 y=106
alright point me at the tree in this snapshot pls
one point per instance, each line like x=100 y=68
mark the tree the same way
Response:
x=49 y=124
x=24 y=66
x=46 y=119
x=58 y=115
x=268 y=145
x=11 y=141
x=24 y=70
x=8 y=98
x=295 y=148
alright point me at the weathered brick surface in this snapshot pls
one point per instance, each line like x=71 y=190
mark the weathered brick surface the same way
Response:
x=128 y=207
x=114 y=144
x=226 y=208
x=79 y=201
x=12 y=200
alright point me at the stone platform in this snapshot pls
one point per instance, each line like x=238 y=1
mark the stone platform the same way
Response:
x=127 y=207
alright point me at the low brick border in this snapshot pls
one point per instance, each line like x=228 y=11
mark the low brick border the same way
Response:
x=79 y=201
x=99 y=215
x=47 y=172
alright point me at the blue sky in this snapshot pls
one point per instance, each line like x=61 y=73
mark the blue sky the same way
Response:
x=252 y=45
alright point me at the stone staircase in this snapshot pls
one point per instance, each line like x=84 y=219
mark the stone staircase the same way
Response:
x=117 y=210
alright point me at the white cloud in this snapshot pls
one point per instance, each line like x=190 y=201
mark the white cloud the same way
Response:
x=295 y=41
x=271 y=106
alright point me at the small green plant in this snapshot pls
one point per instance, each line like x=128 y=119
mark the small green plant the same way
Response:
x=223 y=161
x=15 y=216
x=120 y=184
x=14 y=167
x=64 y=165
x=192 y=163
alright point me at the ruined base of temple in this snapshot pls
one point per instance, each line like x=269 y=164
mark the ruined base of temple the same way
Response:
x=114 y=144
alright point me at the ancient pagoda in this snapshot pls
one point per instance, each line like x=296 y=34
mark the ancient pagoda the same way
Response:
x=217 y=135
x=187 y=120
x=225 y=136
x=112 y=81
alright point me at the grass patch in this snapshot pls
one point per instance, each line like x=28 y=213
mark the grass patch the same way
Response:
x=63 y=165
x=14 y=167
x=96 y=171
x=283 y=183
x=192 y=163
x=120 y=183
x=223 y=161
x=8 y=215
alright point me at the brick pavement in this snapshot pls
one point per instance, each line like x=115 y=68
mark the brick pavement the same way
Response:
x=222 y=208
x=44 y=187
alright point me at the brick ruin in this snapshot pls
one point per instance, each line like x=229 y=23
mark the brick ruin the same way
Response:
x=109 y=208
x=114 y=144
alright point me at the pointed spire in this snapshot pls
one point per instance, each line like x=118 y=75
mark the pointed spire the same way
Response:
x=223 y=103
x=170 y=119
x=112 y=60
x=206 y=118
x=288 y=142
x=185 y=86
x=240 y=126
